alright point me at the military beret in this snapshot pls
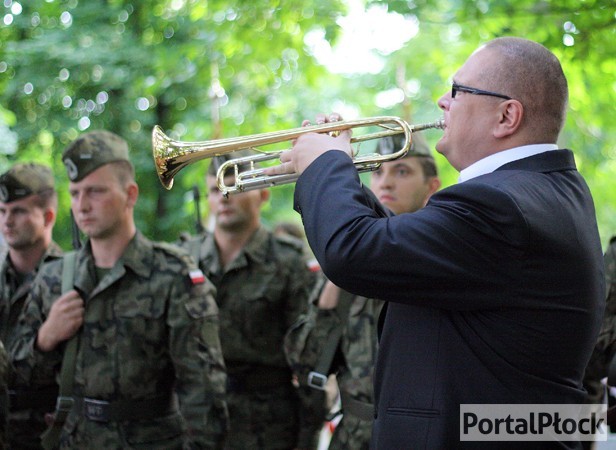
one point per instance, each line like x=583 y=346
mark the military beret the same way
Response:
x=392 y=144
x=24 y=179
x=218 y=161
x=91 y=151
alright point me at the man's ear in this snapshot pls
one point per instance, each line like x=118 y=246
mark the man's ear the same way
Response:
x=49 y=216
x=265 y=195
x=132 y=192
x=434 y=184
x=511 y=113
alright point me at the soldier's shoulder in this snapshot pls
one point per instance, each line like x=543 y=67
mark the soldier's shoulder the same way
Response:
x=174 y=253
x=52 y=266
x=610 y=252
x=181 y=262
x=187 y=237
x=188 y=241
x=289 y=243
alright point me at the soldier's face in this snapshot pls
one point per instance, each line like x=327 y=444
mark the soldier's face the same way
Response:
x=100 y=203
x=238 y=212
x=22 y=223
x=400 y=185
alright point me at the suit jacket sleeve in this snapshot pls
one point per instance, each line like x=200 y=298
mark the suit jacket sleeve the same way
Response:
x=464 y=238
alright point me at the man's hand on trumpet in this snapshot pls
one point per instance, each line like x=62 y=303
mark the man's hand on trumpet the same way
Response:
x=310 y=146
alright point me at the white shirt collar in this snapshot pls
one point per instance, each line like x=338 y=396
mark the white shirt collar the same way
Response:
x=491 y=163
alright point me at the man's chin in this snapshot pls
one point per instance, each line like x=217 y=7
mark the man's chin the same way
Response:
x=228 y=225
x=391 y=206
x=440 y=147
x=21 y=244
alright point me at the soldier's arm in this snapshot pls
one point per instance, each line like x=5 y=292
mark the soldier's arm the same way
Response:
x=25 y=355
x=605 y=347
x=607 y=336
x=64 y=319
x=4 y=400
x=329 y=296
x=307 y=337
x=313 y=403
x=197 y=356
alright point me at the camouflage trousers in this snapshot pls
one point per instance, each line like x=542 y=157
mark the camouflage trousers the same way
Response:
x=267 y=420
x=351 y=433
x=25 y=429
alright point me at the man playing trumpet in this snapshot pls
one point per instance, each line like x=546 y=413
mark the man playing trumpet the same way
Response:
x=495 y=288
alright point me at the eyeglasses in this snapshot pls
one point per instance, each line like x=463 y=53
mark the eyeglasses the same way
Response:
x=455 y=88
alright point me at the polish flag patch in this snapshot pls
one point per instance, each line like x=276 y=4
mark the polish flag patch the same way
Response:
x=196 y=276
x=313 y=265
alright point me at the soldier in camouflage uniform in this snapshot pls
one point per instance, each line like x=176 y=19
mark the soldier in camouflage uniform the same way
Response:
x=4 y=400
x=403 y=185
x=28 y=206
x=605 y=348
x=262 y=287
x=143 y=314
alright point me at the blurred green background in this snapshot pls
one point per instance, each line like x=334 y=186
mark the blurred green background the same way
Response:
x=217 y=69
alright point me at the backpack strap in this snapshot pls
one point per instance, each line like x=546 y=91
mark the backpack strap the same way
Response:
x=64 y=403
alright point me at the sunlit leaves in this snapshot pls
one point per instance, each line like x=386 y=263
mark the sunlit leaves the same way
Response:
x=206 y=69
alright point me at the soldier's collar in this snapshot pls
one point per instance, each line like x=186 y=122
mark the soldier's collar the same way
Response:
x=139 y=255
x=254 y=248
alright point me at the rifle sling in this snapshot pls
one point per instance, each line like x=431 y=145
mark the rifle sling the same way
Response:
x=64 y=402
x=318 y=377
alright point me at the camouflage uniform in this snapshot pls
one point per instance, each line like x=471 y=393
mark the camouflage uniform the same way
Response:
x=353 y=363
x=147 y=331
x=26 y=422
x=149 y=339
x=605 y=348
x=260 y=294
x=4 y=369
x=357 y=348
x=28 y=404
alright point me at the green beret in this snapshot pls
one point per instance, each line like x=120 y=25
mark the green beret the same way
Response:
x=91 y=151
x=24 y=179
x=393 y=144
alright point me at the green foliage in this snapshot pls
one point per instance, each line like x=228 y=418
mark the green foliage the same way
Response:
x=580 y=33
x=199 y=69
x=216 y=69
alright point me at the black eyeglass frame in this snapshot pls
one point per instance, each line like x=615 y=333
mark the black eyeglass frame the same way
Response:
x=455 y=88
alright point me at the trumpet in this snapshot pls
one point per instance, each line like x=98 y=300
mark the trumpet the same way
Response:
x=171 y=156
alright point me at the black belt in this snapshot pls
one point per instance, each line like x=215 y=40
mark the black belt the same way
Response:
x=124 y=410
x=357 y=408
x=33 y=398
x=258 y=379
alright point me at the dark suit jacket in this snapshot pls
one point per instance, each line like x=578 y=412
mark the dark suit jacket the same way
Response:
x=495 y=290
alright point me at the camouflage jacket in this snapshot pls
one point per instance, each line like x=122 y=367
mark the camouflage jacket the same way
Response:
x=4 y=406
x=605 y=348
x=26 y=421
x=150 y=328
x=13 y=295
x=260 y=294
x=357 y=348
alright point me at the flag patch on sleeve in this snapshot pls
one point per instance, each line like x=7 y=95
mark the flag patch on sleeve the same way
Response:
x=196 y=276
x=313 y=265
